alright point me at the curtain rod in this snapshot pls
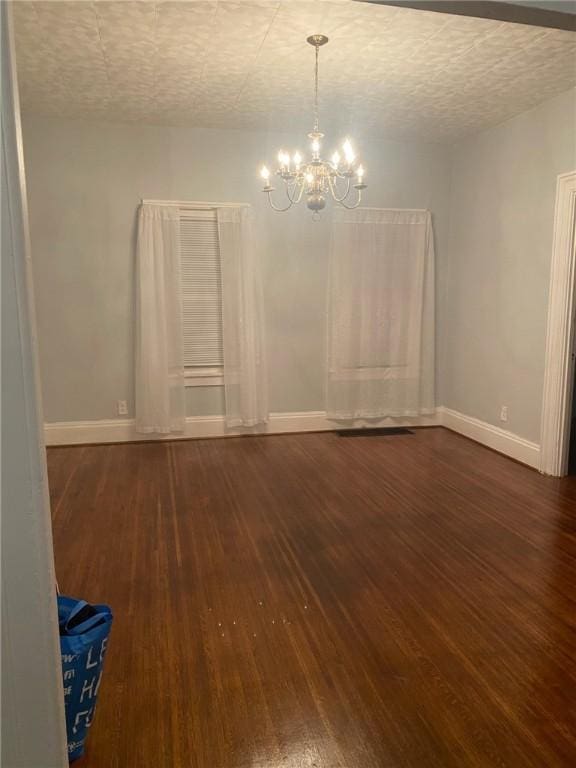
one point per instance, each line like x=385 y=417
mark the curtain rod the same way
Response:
x=195 y=204
x=405 y=210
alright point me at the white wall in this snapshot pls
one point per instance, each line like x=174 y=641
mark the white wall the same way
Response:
x=85 y=181
x=503 y=187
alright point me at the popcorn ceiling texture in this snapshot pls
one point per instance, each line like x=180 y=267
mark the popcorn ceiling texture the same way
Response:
x=400 y=73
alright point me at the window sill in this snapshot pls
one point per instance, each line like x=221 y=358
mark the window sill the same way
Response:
x=203 y=377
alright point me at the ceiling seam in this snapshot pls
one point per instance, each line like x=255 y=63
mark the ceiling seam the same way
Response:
x=205 y=58
x=103 y=51
x=255 y=59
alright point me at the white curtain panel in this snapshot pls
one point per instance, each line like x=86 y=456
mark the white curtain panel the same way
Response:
x=381 y=315
x=242 y=320
x=160 y=396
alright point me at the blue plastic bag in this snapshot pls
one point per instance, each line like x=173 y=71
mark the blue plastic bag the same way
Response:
x=84 y=631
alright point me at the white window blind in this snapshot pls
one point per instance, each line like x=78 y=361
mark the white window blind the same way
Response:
x=201 y=289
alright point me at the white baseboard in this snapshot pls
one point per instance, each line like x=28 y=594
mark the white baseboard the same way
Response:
x=124 y=430
x=499 y=439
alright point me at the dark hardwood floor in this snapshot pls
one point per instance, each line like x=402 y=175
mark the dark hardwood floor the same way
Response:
x=307 y=601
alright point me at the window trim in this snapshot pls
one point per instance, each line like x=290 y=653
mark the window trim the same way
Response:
x=376 y=373
x=204 y=377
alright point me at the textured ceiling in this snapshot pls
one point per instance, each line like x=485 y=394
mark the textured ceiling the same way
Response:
x=402 y=73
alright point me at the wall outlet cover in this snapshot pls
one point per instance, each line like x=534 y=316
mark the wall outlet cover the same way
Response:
x=122 y=407
x=504 y=413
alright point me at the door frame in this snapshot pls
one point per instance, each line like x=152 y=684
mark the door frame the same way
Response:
x=560 y=336
x=33 y=723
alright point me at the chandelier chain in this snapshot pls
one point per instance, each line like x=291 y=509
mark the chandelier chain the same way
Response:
x=316 y=121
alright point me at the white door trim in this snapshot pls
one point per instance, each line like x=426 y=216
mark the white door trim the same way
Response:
x=559 y=365
x=33 y=726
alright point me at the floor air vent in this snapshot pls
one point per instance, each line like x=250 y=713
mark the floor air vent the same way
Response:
x=374 y=432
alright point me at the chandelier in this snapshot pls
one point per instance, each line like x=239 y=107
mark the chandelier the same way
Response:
x=317 y=178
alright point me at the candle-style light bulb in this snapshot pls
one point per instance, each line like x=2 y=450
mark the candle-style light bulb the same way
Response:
x=297 y=160
x=336 y=159
x=284 y=160
x=360 y=172
x=348 y=152
x=265 y=173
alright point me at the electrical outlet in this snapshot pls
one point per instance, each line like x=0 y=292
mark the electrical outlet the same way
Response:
x=122 y=408
x=504 y=413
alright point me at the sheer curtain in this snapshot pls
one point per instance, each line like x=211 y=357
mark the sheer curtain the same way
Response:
x=242 y=320
x=381 y=314
x=160 y=403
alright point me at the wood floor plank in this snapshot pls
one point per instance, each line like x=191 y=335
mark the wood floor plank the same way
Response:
x=306 y=601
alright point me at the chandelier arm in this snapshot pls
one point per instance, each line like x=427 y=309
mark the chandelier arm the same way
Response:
x=356 y=204
x=334 y=189
x=298 y=188
x=275 y=207
x=346 y=193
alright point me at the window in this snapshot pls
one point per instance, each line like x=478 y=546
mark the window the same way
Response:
x=201 y=297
